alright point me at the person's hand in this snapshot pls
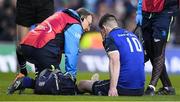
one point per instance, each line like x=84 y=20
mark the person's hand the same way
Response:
x=139 y=18
x=19 y=75
x=112 y=92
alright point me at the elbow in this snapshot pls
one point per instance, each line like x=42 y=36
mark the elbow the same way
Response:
x=114 y=57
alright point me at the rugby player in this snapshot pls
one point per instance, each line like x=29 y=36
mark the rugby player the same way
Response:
x=126 y=62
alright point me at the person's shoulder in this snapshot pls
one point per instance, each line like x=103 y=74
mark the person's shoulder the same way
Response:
x=109 y=39
x=127 y=32
x=75 y=28
x=71 y=11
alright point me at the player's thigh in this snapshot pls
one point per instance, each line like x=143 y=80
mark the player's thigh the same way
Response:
x=159 y=49
x=161 y=33
x=147 y=29
x=101 y=87
x=44 y=9
x=161 y=26
x=147 y=32
x=25 y=13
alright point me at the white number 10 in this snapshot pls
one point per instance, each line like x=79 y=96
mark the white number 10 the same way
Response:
x=136 y=43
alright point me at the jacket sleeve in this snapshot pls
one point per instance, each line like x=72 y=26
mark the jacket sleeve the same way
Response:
x=72 y=40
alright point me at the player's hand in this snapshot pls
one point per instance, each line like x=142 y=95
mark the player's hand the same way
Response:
x=139 y=18
x=112 y=92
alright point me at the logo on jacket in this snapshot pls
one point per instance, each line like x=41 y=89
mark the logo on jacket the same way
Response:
x=46 y=26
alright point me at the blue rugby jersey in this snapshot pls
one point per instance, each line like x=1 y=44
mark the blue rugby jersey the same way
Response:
x=132 y=75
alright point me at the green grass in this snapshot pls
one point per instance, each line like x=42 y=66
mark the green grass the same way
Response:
x=6 y=79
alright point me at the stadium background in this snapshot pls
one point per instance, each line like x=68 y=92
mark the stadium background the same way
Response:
x=92 y=57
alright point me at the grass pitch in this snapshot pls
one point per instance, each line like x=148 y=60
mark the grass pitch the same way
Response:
x=6 y=79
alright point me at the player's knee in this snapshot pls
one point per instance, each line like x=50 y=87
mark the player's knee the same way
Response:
x=85 y=86
x=82 y=84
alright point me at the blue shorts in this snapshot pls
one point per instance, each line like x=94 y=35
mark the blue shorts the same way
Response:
x=156 y=25
x=102 y=88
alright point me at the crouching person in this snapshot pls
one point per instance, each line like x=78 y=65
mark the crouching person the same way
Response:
x=126 y=62
x=44 y=46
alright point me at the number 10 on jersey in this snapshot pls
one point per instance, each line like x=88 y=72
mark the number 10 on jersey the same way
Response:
x=134 y=41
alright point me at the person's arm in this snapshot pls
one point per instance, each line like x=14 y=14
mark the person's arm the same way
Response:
x=114 y=68
x=139 y=13
x=114 y=65
x=71 y=48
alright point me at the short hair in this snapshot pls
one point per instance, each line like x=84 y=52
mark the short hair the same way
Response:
x=106 y=19
x=83 y=13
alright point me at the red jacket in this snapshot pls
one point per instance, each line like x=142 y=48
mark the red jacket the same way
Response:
x=48 y=29
x=153 y=5
x=160 y=5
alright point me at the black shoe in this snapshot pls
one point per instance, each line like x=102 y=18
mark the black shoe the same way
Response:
x=17 y=85
x=166 y=91
x=149 y=91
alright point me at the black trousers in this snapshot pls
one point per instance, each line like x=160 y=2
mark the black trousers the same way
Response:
x=43 y=58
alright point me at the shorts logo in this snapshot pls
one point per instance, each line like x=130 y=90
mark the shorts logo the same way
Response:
x=164 y=33
x=157 y=40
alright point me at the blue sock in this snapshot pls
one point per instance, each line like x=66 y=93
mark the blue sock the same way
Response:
x=28 y=82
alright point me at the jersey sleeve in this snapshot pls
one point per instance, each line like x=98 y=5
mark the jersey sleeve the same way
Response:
x=109 y=45
x=71 y=48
